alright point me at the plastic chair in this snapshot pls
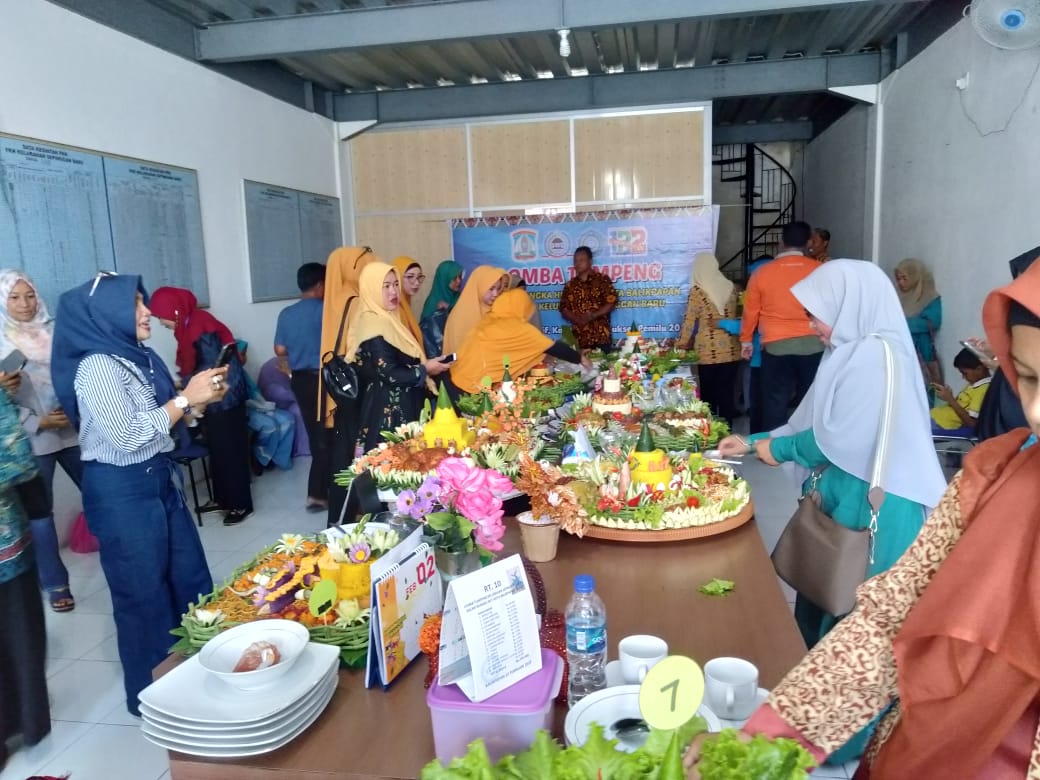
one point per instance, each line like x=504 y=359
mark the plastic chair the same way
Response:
x=186 y=456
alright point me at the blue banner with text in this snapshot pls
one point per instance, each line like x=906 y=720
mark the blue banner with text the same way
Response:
x=647 y=253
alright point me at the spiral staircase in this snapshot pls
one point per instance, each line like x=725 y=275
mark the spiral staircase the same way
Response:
x=768 y=192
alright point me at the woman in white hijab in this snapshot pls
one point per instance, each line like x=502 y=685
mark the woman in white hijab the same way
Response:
x=836 y=425
x=713 y=297
x=27 y=326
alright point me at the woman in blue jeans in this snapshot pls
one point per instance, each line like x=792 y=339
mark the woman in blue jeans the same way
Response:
x=122 y=397
x=26 y=326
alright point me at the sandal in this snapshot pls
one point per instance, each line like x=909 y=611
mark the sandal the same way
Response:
x=61 y=599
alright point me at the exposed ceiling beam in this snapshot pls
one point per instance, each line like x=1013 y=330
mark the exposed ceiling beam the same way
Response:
x=762 y=133
x=283 y=36
x=619 y=90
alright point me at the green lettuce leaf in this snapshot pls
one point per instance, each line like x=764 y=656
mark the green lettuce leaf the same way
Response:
x=725 y=757
x=717 y=587
x=536 y=761
x=475 y=765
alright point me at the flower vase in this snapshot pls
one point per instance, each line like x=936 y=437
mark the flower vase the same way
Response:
x=451 y=565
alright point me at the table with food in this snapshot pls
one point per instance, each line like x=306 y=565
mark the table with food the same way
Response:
x=311 y=660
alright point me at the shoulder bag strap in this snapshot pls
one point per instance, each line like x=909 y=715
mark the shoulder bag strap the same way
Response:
x=876 y=493
x=342 y=322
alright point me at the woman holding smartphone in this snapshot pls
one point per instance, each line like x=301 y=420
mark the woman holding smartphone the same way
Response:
x=201 y=339
x=26 y=333
x=123 y=400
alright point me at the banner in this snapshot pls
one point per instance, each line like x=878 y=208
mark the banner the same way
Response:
x=646 y=252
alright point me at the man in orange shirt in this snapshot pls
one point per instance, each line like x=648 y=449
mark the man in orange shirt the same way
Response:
x=791 y=350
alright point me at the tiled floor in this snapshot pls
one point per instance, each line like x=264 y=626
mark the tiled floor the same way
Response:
x=92 y=735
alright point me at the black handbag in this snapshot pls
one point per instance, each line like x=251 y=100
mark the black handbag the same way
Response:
x=337 y=375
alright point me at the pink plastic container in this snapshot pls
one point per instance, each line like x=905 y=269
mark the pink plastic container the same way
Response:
x=507 y=721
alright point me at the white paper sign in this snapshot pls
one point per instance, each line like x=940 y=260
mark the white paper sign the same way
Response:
x=489 y=631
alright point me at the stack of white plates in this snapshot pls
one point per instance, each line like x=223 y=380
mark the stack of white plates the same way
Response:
x=192 y=711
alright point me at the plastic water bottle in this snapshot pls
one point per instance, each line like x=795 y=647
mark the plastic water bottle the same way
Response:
x=586 y=618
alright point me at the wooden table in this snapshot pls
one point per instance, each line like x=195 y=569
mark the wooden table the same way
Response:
x=648 y=589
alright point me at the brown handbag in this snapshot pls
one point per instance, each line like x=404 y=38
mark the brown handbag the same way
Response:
x=826 y=561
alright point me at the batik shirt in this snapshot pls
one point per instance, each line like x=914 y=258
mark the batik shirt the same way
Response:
x=584 y=296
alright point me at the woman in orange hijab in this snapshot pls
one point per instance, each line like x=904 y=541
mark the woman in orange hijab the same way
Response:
x=411 y=276
x=341 y=288
x=482 y=287
x=945 y=645
x=506 y=331
x=392 y=366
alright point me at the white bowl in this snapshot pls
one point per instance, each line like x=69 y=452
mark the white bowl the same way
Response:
x=221 y=654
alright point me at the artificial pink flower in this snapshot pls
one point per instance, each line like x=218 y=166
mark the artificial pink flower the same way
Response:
x=461 y=475
x=479 y=506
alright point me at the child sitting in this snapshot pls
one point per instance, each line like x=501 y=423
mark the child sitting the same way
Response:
x=956 y=416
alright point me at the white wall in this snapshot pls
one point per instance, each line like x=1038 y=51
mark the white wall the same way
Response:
x=70 y=80
x=961 y=170
x=836 y=194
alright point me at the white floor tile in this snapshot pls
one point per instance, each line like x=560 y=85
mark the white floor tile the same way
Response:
x=829 y=772
x=86 y=690
x=106 y=650
x=55 y=665
x=119 y=716
x=71 y=634
x=851 y=767
x=110 y=752
x=26 y=761
x=97 y=603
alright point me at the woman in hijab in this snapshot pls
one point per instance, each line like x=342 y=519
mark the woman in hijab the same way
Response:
x=392 y=366
x=24 y=707
x=836 y=424
x=923 y=309
x=713 y=297
x=411 y=275
x=339 y=315
x=200 y=338
x=447 y=282
x=123 y=399
x=26 y=326
x=505 y=331
x=483 y=286
x=943 y=646
x=516 y=282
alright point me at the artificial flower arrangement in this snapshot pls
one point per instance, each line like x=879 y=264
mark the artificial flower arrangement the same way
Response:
x=462 y=504
x=277 y=584
x=551 y=495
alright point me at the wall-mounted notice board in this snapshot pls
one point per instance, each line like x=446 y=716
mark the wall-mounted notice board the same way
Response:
x=287 y=228
x=67 y=213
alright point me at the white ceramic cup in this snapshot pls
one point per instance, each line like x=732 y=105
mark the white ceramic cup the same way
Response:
x=638 y=654
x=731 y=687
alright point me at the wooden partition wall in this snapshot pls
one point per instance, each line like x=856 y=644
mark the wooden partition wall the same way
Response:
x=408 y=183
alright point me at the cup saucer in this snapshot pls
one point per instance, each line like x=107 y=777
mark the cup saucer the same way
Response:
x=760 y=698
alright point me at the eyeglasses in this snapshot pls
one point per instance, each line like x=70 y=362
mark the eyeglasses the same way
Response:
x=415 y=277
x=100 y=275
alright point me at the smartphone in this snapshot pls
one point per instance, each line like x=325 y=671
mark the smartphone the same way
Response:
x=449 y=358
x=14 y=362
x=225 y=355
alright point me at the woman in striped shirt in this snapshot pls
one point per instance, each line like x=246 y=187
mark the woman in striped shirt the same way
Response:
x=122 y=397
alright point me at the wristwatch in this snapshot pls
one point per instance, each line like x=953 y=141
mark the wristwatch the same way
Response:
x=182 y=403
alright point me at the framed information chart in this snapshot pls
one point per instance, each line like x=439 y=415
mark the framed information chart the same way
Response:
x=287 y=228
x=66 y=213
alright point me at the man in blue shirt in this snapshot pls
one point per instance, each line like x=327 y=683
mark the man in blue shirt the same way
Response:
x=297 y=343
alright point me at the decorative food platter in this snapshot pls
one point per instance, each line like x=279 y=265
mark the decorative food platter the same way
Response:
x=672 y=534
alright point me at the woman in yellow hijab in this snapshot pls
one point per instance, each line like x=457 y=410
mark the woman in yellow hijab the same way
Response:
x=341 y=287
x=392 y=366
x=506 y=331
x=483 y=286
x=411 y=276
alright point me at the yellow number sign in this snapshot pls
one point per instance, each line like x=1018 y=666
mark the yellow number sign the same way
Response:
x=671 y=692
x=323 y=598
